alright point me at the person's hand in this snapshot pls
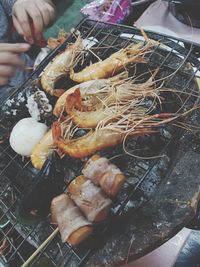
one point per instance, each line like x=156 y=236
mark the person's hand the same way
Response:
x=36 y=13
x=10 y=60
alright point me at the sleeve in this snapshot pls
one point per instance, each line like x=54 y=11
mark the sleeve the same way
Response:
x=7 y=6
x=4 y=36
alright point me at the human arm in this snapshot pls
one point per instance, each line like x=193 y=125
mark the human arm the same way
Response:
x=9 y=60
x=38 y=13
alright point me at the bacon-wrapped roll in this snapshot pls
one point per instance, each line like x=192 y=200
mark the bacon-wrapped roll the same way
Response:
x=105 y=174
x=90 y=199
x=73 y=226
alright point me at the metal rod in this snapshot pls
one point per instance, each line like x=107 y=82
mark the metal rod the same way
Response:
x=41 y=247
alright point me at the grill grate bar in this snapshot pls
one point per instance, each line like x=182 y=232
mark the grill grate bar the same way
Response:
x=22 y=243
x=11 y=244
x=7 y=187
x=8 y=211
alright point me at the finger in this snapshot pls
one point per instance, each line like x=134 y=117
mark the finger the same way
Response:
x=17 y=25
x=12 y=59
x=38 y=24
x=14 y=48
x=3 y=81
x=52 y=13
x=48 y=13
x=24 y=22
x=7 y=71
x=43 y=12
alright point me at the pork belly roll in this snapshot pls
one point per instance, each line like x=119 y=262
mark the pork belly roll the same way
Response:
x=105 y=174
x=73 y=226
x=90 y=199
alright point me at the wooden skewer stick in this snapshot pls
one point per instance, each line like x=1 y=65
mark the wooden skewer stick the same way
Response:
x=28 y=68
x=31 y=68
x=40 y=247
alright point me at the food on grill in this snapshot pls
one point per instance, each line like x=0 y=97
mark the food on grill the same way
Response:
x=87 y=144
x=60 y=67
x=159 y=146
x=73 y=226
x=108 y=102
x=103 y=173
x=91 y=86
x=134 y=124
x=42 y=150
x=38 y=106
x=90 y=199
x=87 y=88
x=12 y=106
x=25 y=135
x=88 y=117
x=134 y=53
x=54 y=42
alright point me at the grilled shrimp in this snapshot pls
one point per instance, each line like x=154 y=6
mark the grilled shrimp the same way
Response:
x=134 y=123
x=91 y=142
x=89 y=87
x=93 y=85
x=134 y=53
x=42 y=150
x=116 y=98
x=113 y=64
x=87 y=119
x=60 y=67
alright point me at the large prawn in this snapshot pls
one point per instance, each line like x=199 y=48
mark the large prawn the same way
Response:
x=86 y=88
x=60 y=67
x=117 y=97
x=134 y=53
x=132 y=125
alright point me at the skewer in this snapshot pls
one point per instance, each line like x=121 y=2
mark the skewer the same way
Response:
x=29 y=68
x=40 y=248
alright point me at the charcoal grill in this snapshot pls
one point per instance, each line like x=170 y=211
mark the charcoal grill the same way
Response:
x=160 y=195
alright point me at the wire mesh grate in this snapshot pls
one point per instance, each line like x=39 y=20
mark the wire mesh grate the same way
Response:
x=143 y=176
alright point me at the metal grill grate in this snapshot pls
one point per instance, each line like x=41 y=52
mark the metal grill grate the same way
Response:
x=144 y=176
